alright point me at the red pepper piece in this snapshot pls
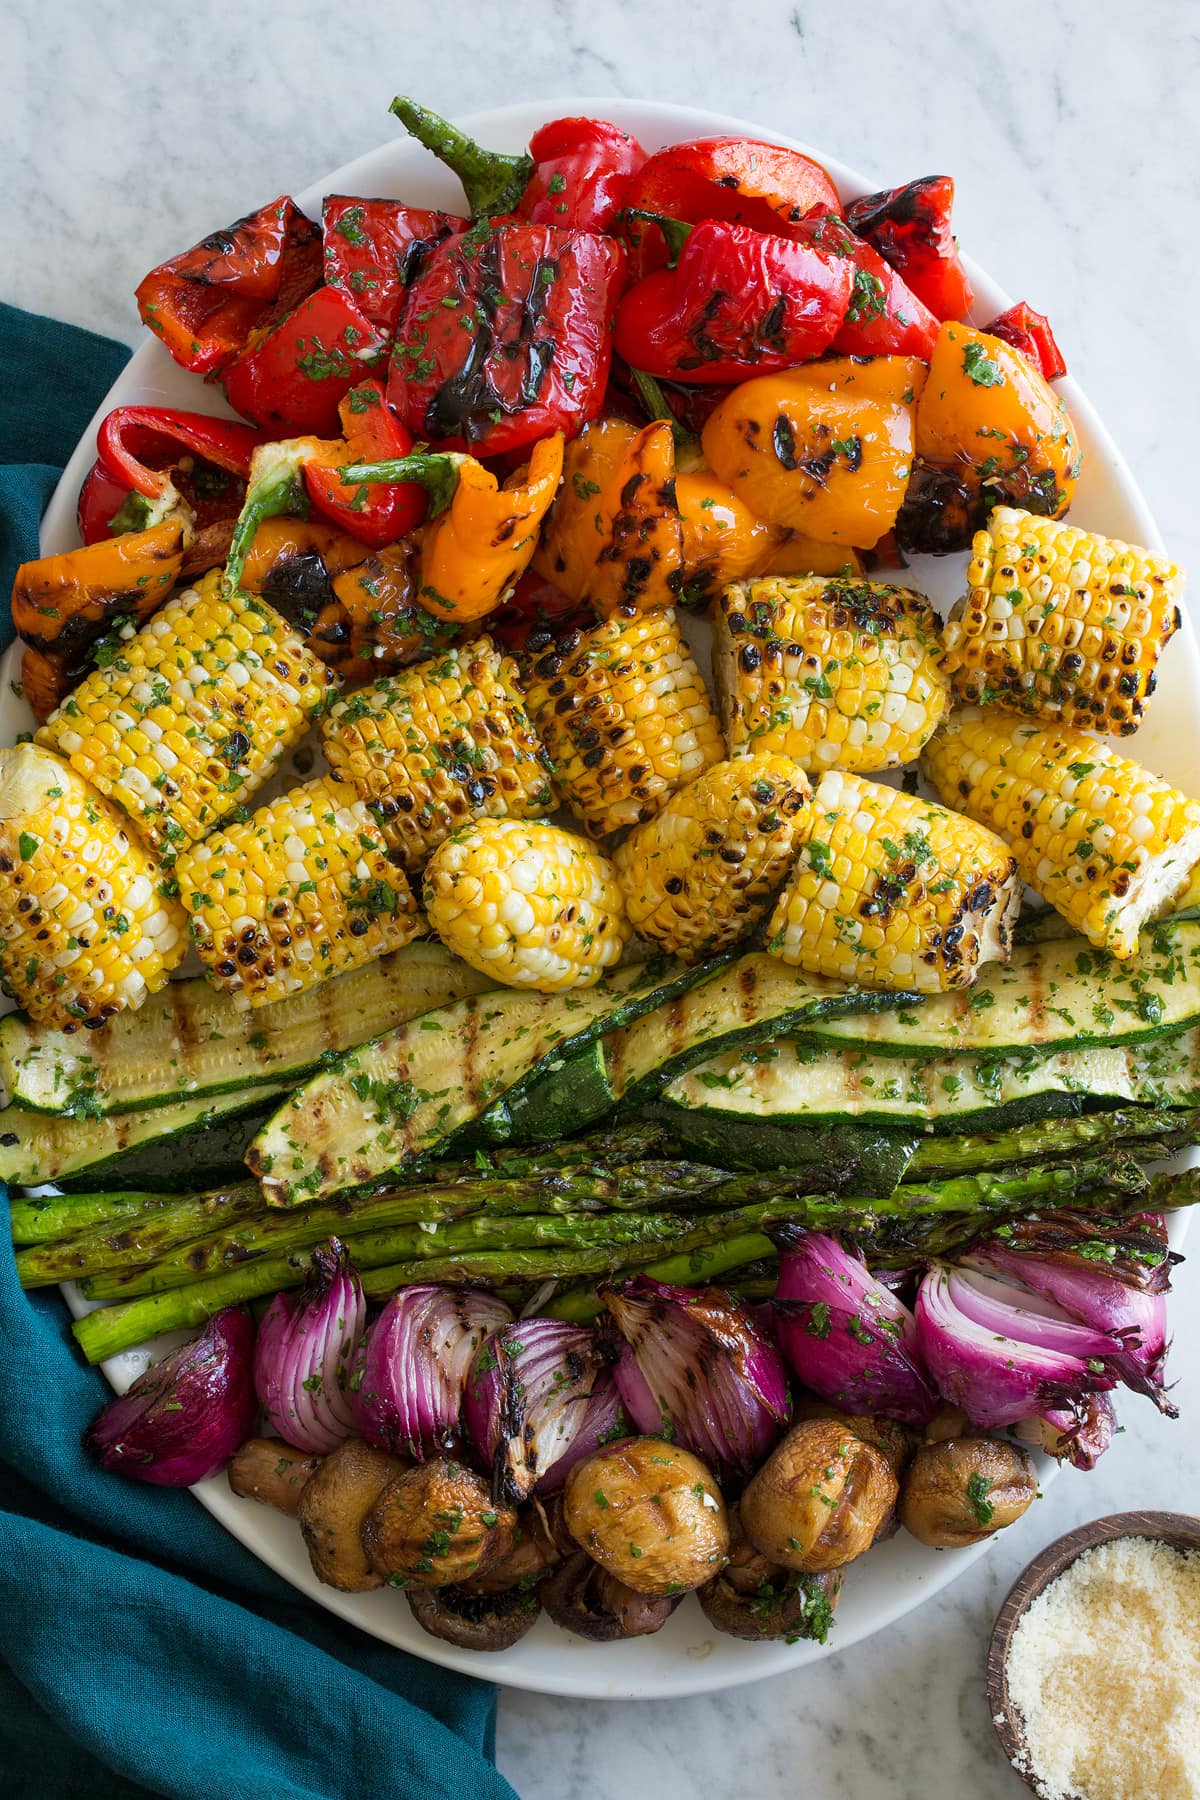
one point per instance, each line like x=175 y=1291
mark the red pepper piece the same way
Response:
x=746 y=182
x=1030 y=333
x=374 y=248
x=506 y=337
x=377 y=513
x=574 y=175
x=884 y=317
x=582 y=170
x=139 y=451
x=292 y=379
x=205 y=302
x=534 y=615
x=910 y=227
x=738 y=302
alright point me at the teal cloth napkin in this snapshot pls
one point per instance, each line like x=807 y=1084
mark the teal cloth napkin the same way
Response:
x=142 y=1650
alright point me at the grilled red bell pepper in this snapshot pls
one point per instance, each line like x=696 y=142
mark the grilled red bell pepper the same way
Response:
x=582 y=169
x=884 y=317
x=291 y=379
x=738 y=179
x=575 y=175
x=910 y=227
x=374 y=248
x=1030 y=333
x=376 y=513
x=506 y=336
x=148 y=458
x=205 y=302
x=738 y=302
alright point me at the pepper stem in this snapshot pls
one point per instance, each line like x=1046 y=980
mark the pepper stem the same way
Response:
x=675 y=231
x=278 y=488
x=657 y=406
x=436 y=470
x=493 y=183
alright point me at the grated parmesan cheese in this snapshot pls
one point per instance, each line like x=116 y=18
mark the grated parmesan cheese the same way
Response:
x=1104 y=1668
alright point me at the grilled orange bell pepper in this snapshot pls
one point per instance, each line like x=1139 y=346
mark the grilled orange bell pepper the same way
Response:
x=825 y=449
x=990 y=430
x=283 y=540
x=475 y=550
x=374 y=625
x=800 y=555
x=613 y=537
x=62 y=603
x=722 y=539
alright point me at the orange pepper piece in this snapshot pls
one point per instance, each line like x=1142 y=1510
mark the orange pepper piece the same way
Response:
x=825 y=449
x=800 y=555
x=478 y=548
x=374 y=626
x=62 y=603
x=722 y=539
x=990 y=430
x=613 y=538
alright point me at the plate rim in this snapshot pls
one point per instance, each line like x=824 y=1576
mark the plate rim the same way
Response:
x=683 y=1676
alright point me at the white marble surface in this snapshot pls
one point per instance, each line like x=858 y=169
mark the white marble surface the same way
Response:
x=1072 y=132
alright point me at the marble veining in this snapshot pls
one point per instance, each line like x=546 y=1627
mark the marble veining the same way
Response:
x=125 y=133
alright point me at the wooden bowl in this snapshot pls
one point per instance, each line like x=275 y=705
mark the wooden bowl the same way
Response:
x=1179 y=1530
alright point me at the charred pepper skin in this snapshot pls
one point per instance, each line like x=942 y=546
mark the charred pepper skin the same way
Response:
x=374 y=248
x=507 y=337
x=910 y=227
x=1029 y=332
x=204 y=303
x=738 y=302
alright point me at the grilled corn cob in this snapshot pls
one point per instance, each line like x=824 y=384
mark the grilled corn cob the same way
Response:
x=700 y=875
x=828 y=672
x=890 y=891
x=192 y=714
x=624 y=713
x=528 y=904
x=1104 y=841
x=439 y=744
x=301 y=891
x=1061 y=624
x=85 y=926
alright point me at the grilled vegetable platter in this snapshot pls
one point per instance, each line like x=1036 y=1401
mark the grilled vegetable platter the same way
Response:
x=593 y=917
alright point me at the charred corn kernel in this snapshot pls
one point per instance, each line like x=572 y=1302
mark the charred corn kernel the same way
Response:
x=828 y=672
x=894 y=892
x=1100 y=838
x=192 y=713
x=700 y=875
x=624 y=713
x=439 y=744
x=88 y=924
x=303 y=890
x=1061 y=623
x=527 y=904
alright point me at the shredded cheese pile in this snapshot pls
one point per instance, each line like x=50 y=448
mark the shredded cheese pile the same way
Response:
x=1104 y=1668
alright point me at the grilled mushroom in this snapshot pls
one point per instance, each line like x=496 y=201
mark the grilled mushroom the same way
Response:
x=585 y=1599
